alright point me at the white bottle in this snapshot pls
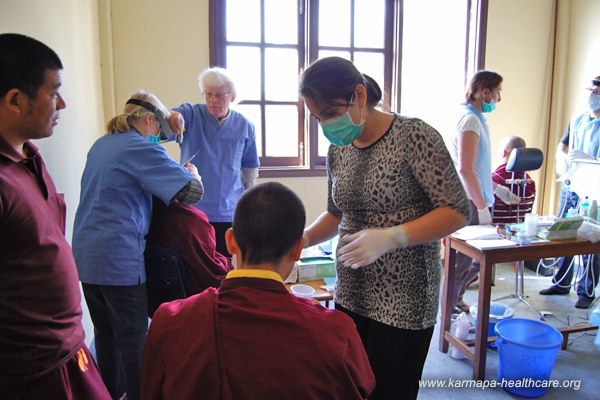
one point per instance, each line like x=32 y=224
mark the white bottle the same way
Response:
x=460 y=329
x=583 y=209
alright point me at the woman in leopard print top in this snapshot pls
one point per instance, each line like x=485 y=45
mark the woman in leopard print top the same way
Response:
x=393 y=193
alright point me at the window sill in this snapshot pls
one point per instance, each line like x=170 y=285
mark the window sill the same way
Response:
x=290 y=172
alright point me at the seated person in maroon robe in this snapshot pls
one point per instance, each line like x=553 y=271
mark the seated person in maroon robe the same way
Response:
x=251 y=338
x=512 y=213
x=186 y=230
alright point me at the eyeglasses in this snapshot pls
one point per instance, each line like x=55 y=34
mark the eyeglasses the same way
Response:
x=216 y=96
x=595 y=82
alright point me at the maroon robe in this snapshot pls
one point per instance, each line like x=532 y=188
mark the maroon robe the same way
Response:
x=251 y=339
x=186 y=230
x=507 y=213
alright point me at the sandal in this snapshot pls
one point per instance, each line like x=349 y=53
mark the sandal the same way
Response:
x=473 y=280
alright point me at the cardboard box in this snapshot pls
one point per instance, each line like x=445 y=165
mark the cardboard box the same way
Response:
x=313 y=268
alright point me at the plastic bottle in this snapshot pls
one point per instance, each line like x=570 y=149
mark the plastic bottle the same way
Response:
x=460 y=329
x=583 y=209
x=593 y=210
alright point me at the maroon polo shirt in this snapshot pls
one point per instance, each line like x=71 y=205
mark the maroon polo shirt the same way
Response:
x=40 y=300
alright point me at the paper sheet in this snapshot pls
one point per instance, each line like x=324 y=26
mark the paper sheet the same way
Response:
x=483 y=244
x=471 y=232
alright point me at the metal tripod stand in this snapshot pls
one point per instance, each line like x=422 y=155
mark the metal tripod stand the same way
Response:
x=519 y=289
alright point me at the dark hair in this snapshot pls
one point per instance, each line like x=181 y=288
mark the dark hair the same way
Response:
x=23 y=63
x=482 y=80
x=269 y=219
x=332 y=78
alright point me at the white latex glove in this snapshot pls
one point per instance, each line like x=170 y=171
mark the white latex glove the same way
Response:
x=368 y=245
x=506 y=195
x=573 y=154
x=485 y=218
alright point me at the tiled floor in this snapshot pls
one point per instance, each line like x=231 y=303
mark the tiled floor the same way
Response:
x=579 y=362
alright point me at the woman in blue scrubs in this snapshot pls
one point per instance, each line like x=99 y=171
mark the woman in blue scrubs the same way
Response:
x=124 y=169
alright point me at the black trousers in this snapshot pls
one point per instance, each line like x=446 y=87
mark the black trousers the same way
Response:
x=396 y=355
x=220 y=229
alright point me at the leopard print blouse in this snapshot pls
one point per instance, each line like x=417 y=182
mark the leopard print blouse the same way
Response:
x=405 y=174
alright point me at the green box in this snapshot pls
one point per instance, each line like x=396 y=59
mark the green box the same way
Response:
x=563 y=228
x=314 y=268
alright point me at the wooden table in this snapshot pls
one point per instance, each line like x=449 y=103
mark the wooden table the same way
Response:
x=488 y=257
x=320 y=294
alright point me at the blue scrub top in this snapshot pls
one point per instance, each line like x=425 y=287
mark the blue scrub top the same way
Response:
x=586 y=136
x=473 y=120
x=223 y=151
x=122 y=172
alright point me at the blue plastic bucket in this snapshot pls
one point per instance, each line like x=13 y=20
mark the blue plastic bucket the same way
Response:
x=527 y=350
x=498 y=312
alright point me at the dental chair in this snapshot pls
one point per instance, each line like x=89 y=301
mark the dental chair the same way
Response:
x=520 y=161
x=165 y=277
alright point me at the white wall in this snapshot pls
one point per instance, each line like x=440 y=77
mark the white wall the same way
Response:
x=69 y=27
x=519 y=48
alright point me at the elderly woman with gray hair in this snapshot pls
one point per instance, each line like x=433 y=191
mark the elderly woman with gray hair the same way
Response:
x=124 y=169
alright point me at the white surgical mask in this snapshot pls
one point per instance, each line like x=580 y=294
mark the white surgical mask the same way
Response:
x=594 y=101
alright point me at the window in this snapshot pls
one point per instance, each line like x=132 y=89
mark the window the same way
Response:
x=419 y=51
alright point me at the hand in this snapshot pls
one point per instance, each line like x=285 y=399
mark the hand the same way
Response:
x=506 y=195
x=306 y=240
x=192 y=170
x=368 y=245
x=573 y=154
x=176 y=122
x=484 y=216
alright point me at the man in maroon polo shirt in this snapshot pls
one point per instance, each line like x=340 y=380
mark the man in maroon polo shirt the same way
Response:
x=42 y=349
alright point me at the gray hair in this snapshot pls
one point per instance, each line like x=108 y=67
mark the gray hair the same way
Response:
x=216 y=76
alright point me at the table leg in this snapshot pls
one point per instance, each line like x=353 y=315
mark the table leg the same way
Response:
x=483 y=318
x=448 y=283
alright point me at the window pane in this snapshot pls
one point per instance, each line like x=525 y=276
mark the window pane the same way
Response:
x=252 y=112
x=281 y=21
x=371 y=64
x=281 y=131
x=333 y=53
x=243 y=20
x=281 y=74
x=323 y=143
x=432 y=63
x=334 y=23
x=369 y=23
x=243 y=62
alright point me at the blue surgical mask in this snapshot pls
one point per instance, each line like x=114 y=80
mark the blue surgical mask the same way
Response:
x=153 y=138
x=594 y=101
x=341 y=130
x=489 y=107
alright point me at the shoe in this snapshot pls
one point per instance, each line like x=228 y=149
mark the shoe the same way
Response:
x=461 y=305
x=473 y=280
x=552 y=290
x=584 y=302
